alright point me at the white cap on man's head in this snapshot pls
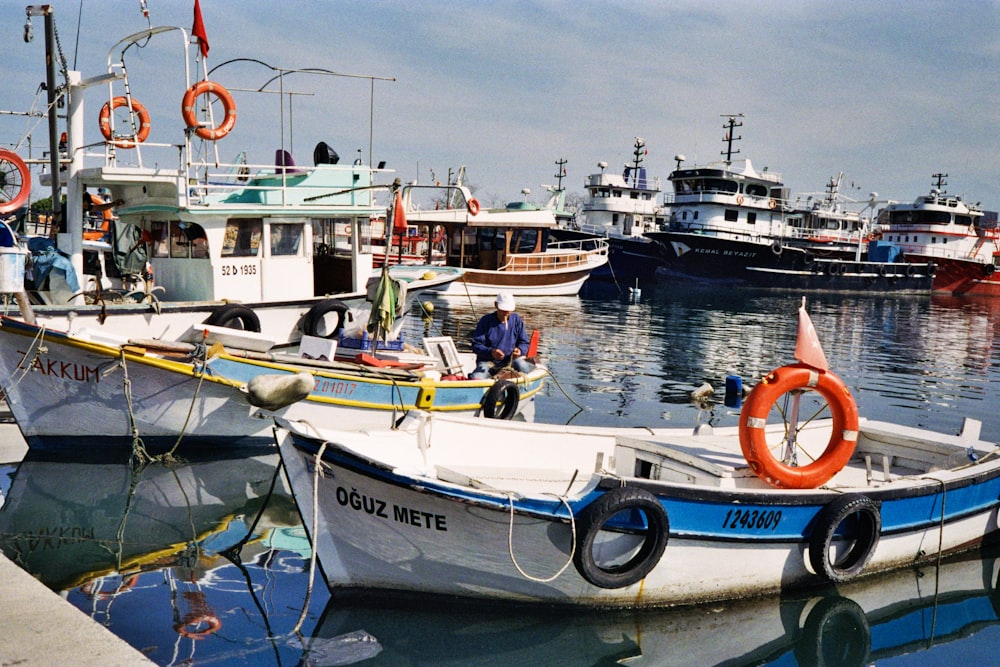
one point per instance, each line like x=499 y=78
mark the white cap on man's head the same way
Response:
x=505 y=301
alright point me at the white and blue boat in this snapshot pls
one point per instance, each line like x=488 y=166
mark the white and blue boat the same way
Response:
x=802 y=492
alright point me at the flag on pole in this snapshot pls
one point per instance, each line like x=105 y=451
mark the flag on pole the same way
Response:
x=198 y=30
x=398 y=216
x=807 y=347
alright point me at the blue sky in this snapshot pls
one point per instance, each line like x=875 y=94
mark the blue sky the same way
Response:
x=887 y=92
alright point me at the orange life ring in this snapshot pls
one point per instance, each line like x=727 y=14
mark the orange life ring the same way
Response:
x=211 y=623
x=10 y=199
x=753 y=418
x=771 y=203
x=190 y=114
x=104 y=120
x=473 y=205
x=739 y=200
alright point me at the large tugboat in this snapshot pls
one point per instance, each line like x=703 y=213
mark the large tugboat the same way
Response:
x=960 y=238
x=732 y=223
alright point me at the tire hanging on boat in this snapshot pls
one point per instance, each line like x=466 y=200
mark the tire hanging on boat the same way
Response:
x=596 y=515
x=863 y=529
x=104 y=121
x=753 y=419
x=850 y=643
x=313 y=321
x=190 y=113
x=505 y=394
x=12 y=199
x=231 y=313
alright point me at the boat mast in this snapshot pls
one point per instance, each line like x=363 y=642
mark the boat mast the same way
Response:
x=730 y=125
x=939 y=182
x=638 y=152
x=560 y=173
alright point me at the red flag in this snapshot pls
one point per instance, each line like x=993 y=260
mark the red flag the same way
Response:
x=807 y=347
x=198 y=30
x=398 y=216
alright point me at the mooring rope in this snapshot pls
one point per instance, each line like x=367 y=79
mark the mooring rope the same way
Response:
x=315 y=527
x=510 y=540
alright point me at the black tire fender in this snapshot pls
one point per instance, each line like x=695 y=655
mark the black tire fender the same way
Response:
x=867 y=529
x=312 y=321
x=836 y=632
x=591 y=521
x=505 y=394
x=776 y=247
x=229 y=314
x=988 y=269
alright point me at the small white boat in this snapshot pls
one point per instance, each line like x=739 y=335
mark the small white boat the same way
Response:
x=502 y=249
x=600 y=517
x=220 y=386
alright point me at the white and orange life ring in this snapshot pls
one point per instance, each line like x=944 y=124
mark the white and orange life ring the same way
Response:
x=104 y=120
x=753 y=418
x=771 y=203
x=473 y=205
x=739 y=200
x=190 y=113
x=198 y=627
x=14 y=173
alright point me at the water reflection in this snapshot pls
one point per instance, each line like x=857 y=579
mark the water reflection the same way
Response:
x=200 y=560
x=853 y=625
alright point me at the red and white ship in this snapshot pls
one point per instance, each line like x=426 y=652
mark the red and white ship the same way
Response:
x=961 y=239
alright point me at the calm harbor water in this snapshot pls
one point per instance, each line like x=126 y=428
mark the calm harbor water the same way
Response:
x=206 y=563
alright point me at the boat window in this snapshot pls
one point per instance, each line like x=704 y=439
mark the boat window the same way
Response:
x=524 y=240
x=756 y=190
x=161 y=239
x=751 y=217
x=964 y=220
x=242 y=238
x=732 y=215
x=285 y=238
x=187 y=240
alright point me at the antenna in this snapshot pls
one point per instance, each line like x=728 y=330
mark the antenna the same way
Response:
x=730 y=125
x=940 y=182
x=560 y=172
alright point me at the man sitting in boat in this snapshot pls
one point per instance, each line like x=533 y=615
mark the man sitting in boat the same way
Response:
x=499 y=340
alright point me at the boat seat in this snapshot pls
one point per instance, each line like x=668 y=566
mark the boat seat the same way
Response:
x=284 y=164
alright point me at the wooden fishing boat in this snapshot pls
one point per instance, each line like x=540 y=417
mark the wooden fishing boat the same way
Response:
x=802 y=492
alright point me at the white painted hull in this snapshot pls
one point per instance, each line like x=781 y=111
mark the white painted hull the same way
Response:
x=402 y=521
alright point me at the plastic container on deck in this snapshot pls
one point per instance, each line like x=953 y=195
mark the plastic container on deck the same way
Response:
x=365 y=343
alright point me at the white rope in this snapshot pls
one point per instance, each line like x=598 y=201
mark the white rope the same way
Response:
x=510 y=540
x=315 y=527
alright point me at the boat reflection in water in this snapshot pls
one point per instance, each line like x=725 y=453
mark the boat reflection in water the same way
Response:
x=199 y=561
x=909 y=612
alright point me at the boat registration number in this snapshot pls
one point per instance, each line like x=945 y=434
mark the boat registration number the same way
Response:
x=752 y=519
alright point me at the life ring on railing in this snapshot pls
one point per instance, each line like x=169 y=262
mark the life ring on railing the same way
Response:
x=739 y=200
x=505 y=394
x=230 y=313
x=313 y=321
x=473 y=205
x=210 y=622
x=190 y=113
x=866 y=527
x=753 y=418
x=10 y=199
x=771 y=203
x=591 y=521
x=104 y=121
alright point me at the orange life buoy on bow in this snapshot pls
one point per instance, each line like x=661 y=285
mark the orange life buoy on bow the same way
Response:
x=15 y=181
x=753 y=419
x=104 y=120
x=473 y=205
x=190 y=114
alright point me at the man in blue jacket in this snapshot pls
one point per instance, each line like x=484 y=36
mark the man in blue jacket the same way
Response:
x=500 y=340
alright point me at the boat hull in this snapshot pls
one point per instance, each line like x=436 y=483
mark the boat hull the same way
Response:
x=65 y=392
x=719 y=260
x=476 y=282
x=962 y=278
x=380 y=527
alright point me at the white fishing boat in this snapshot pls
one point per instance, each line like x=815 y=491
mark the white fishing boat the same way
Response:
x=960 y=238
x=195 y=238
x=803 y=491
x=501 y=249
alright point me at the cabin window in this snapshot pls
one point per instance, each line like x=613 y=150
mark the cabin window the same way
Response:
x=161 y=238
x=756 y=190
x=242 y=238
x=751 y=218
x=524 y=240
x=732 y=215
x=285 y=239
x=965 y=220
